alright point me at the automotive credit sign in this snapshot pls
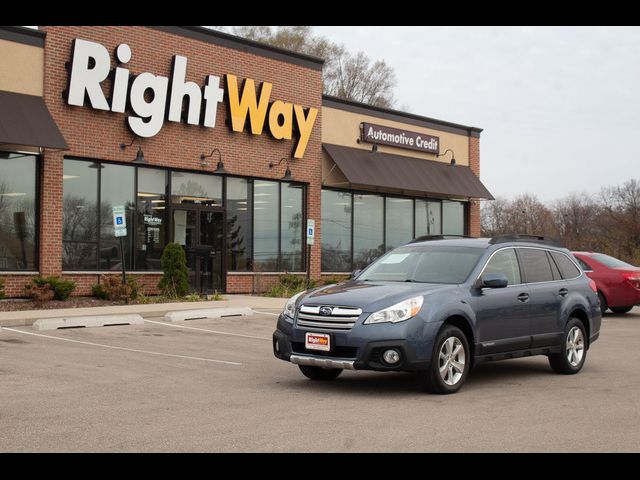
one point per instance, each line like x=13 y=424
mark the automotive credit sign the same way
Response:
x=396 y=137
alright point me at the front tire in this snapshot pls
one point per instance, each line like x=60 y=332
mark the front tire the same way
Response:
x=450 y=362
x=621 y=309
x=603 y=303
x=574 y=349
x=319 y=373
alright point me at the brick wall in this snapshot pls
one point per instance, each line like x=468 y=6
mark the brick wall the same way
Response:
x=474 y=206
x=95 y=134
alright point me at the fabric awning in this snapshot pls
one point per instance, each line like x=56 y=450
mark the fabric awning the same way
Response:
x=25 y=120
x=385 y=170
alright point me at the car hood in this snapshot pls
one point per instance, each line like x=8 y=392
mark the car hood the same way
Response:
x=370 y=296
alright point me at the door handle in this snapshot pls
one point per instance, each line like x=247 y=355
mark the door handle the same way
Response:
x=563 y=292
x=523 y=297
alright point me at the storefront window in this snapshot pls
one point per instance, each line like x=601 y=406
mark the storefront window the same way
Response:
x=428 y=218
x=18 y=223
x=238 y=205
x=194 y=188
x=336 y=231
x=399 y=221
x=452 y=218
x=291 y=228
x=80 y=215
x=368 y=229
x=151 y=218
x=266 y=200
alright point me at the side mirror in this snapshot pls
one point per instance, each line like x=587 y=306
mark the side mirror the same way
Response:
x=493 y=280
x=354 y=274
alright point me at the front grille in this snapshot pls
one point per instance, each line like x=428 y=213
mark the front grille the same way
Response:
x=341 y=352
x=339 y=318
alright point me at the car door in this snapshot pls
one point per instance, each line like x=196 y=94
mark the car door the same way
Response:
x=502 y=314
x=546 y=291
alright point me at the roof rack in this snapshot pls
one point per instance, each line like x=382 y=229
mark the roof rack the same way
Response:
x=521 y=237
x=425 y=238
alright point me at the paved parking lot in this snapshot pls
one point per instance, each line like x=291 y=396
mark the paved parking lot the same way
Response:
x=214 y=385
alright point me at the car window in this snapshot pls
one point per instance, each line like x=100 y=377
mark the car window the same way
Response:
x=565 y=265
x=505 y=262
x=554 y=268
x=535 y=264
x=611 y=262
x=585 y=266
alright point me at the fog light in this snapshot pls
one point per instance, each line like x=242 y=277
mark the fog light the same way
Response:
x=391 y=356
x=277 y=346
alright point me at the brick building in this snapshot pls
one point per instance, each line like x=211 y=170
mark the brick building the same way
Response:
x=223 y=145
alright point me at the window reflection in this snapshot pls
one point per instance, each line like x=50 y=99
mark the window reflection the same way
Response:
x=428 y=218
x=17 y=212
x=336 y=231
x=151 y=218
x=239 y=237
x=399 y=215
x=368 y=229
x=452 y=218
x=195 y=188
x=291 y=228
x=117 y=188
x=266 y=198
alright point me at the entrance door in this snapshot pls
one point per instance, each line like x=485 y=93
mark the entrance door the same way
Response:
x=200 y=230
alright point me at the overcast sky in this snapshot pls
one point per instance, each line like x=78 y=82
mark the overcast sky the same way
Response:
x=560 y=106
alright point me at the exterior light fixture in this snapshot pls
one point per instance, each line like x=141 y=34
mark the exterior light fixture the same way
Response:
x=287 y=172
x=453 y=158
x=220 y=167
x=139 y=155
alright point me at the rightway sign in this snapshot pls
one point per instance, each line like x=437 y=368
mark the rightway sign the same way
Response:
x=395 y=137
x=119 y=221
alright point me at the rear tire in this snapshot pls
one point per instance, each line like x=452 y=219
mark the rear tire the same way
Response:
x=450 y=362
x=574 y=349
x=603 y=303
x=319 y=373
x=621 y=309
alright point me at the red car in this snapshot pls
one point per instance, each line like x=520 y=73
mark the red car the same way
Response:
x=618 y=282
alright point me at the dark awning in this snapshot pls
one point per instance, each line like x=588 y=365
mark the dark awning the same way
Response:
x=25 y=120
x=385 y=170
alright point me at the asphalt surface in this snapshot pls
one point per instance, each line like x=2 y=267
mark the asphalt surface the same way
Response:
x=164 y=389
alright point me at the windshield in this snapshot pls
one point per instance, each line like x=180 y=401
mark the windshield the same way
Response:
x=430 y=264
x=610 y=261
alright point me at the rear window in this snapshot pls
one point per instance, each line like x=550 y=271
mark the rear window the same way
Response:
x=565 y=265
x=535 y=264
x=610 y=262
x=585 y=266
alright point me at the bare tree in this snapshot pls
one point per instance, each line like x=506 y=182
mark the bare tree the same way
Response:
x=348 y=76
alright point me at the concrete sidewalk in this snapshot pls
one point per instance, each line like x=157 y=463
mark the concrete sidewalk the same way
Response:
x=27 y=317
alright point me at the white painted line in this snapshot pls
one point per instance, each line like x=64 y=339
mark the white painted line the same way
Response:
x=268 y=313
x=122 y=348
x=206 y=330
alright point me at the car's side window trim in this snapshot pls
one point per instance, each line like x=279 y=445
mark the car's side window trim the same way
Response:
x=522 y=275
x=572 y=262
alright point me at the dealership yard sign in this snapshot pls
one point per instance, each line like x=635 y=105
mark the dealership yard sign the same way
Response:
x=91 y=66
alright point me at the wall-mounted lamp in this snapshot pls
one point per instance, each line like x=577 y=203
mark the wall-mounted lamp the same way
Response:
x=139 y=156
x=453 y=158
x=220 y=167
x=287 y=173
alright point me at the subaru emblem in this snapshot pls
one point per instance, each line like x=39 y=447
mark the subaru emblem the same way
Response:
x=326 y=311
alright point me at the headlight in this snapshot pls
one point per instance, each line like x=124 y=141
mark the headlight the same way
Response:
x=290 y=307
x=397 y=313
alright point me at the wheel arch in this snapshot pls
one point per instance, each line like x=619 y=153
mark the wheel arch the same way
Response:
x=463 y=324
x=580 y=314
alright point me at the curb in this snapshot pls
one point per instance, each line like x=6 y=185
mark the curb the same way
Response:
x=96 y=321
x=181 y=315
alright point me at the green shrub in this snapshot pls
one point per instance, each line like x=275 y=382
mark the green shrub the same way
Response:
x=192 y=297
x=175 y=281
x=2 y=288
x=289 y=285
x=216 y=297
x=61 y=289
x=98 y=291
x=333 y=280
x=134 y=284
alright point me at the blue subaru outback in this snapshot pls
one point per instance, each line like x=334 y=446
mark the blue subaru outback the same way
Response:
x=439 y=305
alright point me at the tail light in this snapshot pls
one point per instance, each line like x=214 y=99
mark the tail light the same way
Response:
x=632 y=279
x=593 y=286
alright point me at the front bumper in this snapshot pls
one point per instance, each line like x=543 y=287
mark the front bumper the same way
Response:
x=361 y=347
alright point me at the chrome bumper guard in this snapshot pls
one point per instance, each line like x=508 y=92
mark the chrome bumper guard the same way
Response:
x=322 y=362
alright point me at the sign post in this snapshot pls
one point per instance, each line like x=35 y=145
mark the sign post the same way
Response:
x=120 y=230
x=311 y=230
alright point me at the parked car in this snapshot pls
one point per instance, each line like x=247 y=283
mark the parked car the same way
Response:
x=437 y=306
x=618 y=282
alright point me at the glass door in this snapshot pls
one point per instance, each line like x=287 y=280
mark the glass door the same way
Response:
x=200 y=230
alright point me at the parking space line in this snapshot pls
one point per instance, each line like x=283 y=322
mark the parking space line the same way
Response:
x=207 y=330
x=121 y=348
x=267 y=313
